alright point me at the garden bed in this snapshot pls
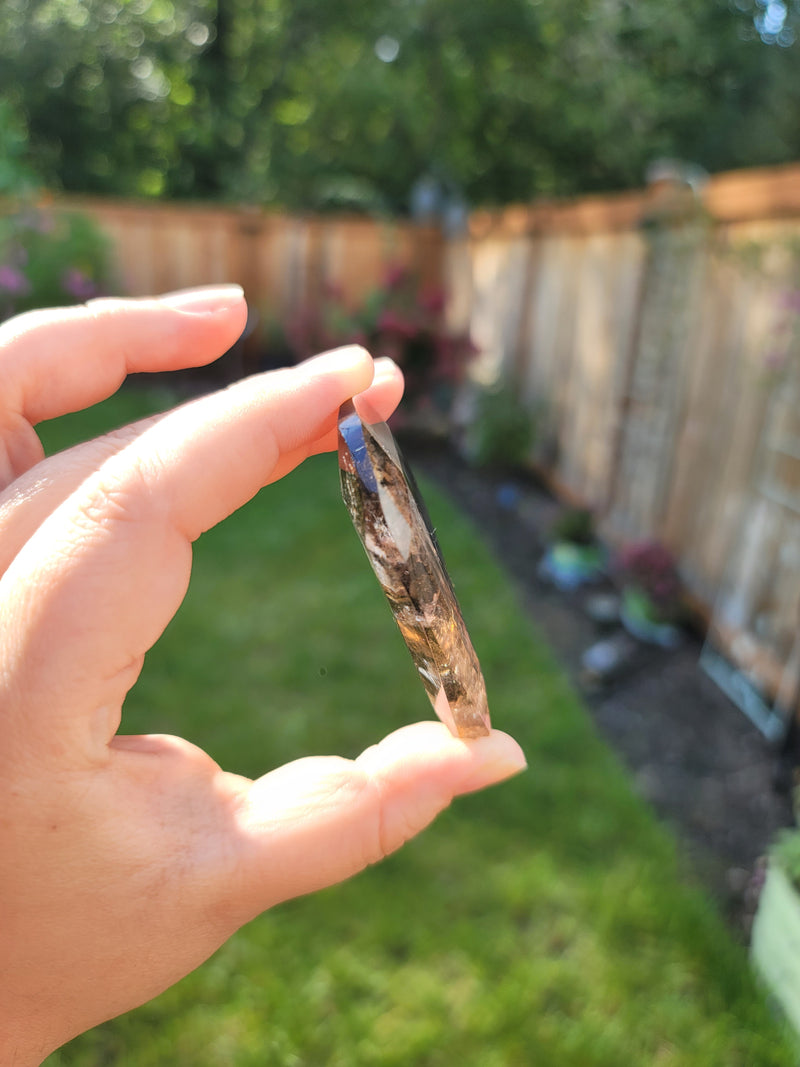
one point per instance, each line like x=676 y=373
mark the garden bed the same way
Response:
x=695 y=757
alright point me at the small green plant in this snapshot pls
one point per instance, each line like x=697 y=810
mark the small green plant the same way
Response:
x=503 y=431
x=575 y=526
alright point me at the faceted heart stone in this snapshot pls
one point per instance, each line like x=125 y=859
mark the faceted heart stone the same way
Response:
x=392 y=522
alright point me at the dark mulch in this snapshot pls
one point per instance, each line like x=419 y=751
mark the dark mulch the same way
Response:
x=706 y=770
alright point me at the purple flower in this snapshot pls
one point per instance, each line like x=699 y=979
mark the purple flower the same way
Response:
x=13 y=281
x=78 y=284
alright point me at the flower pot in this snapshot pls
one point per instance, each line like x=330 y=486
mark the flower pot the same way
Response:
x=775 y=942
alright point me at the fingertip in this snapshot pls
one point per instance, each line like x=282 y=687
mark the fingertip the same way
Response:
x=385 y=392
x=204 y=299
x=425 y=750
x=322 y=819
x=386 y=368
x=351 y=360
x=496 y=758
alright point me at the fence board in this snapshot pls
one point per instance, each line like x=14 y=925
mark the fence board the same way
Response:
x=643 y=350
x=282 y=262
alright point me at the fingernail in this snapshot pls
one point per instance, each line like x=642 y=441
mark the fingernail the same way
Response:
x=385 y=367
x=504 y=759
x=203 y=299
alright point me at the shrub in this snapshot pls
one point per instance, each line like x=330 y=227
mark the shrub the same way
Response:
x=503 y=431
x=399 y=319
x=48 y=259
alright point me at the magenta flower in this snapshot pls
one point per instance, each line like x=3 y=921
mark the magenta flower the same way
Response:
x=651 y=567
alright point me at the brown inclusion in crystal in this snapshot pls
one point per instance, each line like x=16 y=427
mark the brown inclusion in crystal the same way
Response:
x=391 y=521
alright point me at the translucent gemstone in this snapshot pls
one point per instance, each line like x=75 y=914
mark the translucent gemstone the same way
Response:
x=392 y=522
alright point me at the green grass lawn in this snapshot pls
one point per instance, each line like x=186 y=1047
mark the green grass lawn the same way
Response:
x=545 y=922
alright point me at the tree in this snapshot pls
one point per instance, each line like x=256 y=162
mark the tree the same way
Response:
x=311 y=103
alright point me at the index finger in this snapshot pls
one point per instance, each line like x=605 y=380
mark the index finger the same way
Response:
x=59 y=360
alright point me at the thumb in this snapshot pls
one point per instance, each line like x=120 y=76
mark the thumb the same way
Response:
x=319 y=820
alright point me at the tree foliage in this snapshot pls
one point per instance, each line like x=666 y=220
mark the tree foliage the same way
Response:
x=309 y=103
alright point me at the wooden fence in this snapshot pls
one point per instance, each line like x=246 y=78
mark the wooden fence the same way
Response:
x=284 y=263
x=640 y=330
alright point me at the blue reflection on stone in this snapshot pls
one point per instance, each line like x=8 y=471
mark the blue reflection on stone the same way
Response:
x=352 y=432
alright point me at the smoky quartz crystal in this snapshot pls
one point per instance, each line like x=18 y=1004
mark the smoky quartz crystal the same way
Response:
x=393 y=525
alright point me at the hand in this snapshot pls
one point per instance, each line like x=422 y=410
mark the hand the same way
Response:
x=126 y=861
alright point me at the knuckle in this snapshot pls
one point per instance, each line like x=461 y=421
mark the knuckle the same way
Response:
x=114 y=497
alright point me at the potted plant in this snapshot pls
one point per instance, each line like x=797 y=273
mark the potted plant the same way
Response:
x=651 y=589
x=574 y=556
x=775 y=940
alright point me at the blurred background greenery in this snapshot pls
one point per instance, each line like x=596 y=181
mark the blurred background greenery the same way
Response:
x=546 y=922
x=310 y=104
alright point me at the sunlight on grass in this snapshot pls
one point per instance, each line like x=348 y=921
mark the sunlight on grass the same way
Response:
x=543 y=922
